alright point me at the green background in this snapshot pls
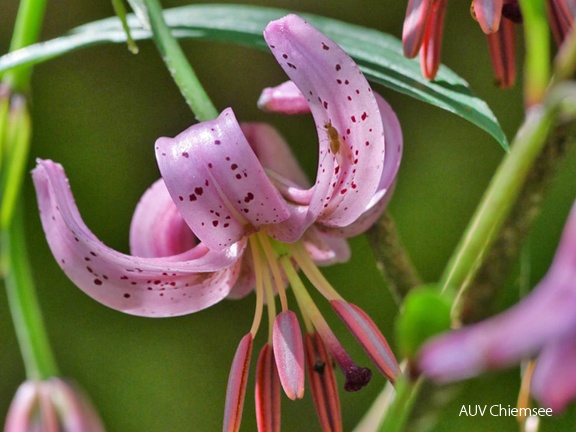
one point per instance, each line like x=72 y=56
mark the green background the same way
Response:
x=98 y=112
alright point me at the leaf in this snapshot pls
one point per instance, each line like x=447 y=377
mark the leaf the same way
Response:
x=379 y=55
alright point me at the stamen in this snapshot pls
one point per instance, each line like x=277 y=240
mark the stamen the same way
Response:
x=323 y=383
x=273 y=263
x=356 y=376
x=267 y=392
x=312 y=272
x=270 y=301
x=289 y=354
x=236 y=389
x=369 y=336
x=258 y=269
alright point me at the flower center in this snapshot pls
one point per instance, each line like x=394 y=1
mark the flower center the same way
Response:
x=276 y=264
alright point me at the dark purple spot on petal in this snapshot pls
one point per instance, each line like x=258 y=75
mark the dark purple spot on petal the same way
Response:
x=97 y=281
x=199 y=191
x=192 y=197
x=185 y=154
x=126 y=295
x=233 y=167
x=214 y=223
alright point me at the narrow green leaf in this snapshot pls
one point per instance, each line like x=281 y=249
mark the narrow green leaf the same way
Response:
x=379 y=55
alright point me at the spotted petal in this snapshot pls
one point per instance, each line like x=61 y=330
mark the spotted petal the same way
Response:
x=217 y=182
x=348 y=122
x=393 y=151
x=176 y=285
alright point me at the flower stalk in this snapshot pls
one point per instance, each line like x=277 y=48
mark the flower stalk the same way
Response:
x=499 y=198
x=38 y=358
x=15 y=135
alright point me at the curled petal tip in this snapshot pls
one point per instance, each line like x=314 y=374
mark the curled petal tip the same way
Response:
x=285 y=98
x=217 y=182
x=289 y=353
x=349 y=125
x=165 y=286
x=236 y=389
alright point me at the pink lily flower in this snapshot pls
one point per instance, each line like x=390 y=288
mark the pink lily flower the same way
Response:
x=51 y=405
x=542 y=325
x=234 y=213
x=424 y=25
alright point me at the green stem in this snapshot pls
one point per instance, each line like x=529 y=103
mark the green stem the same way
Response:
x=32 y=337
x=392 y=258
x=537 y=40
x=400 y=409
x=499 y=197
x=495 y=270
x=16 y=141
x=26 y=31
x=178 y=65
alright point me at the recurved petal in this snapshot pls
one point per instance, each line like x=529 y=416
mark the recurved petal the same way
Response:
x=554 y=380
x=157 y=228
x=415 y=26
x=246 y=281
x=379 y=202
x=564 y=263
x=520 y=332
x=217 y=182
x=283 y=99
x=488 y=13
x=325 y=248
x=155 y=287
x=274 y=153
x=348 y=122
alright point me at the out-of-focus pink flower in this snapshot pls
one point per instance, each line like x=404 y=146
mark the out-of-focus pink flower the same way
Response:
x=52 y=405
x=542 y=325
x=424 y=24
x=234 y=213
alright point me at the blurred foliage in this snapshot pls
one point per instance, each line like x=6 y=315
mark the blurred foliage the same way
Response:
x=98 y=113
